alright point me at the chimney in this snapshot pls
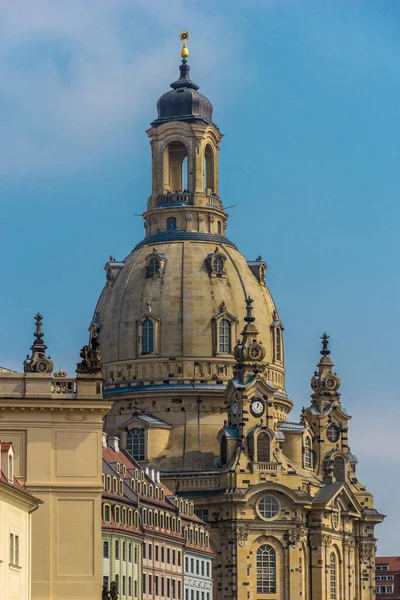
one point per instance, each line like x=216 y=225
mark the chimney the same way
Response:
x=113 y=442
x=158 y=476
x=152 y=474
x=147 y=470
x=104 y=438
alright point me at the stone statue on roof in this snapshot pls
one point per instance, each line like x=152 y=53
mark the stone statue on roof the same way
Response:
x=91 y=358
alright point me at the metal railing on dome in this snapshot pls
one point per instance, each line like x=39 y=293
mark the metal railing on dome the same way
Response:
x=176 y=198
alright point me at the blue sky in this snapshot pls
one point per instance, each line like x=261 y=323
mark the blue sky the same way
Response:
x=306 y=93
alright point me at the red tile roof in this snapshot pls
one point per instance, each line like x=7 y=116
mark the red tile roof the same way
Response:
x=393 y=562
x=5 y=446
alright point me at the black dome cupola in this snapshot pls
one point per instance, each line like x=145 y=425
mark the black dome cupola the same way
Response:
x=183 y=102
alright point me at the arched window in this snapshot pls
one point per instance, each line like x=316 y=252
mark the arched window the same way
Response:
x=208 y=170
x=171 y=223
x=263 y=447
x=217 y=264
x=107 y=514
x=224 y=450
x=266 y=570
x=116 y=549
x=153 y=267
x=219 y=227
x=308 y=457
x=175 y=167
x=278 y=343
x=135 y=444
x=224 y=334
x=117 y=517
x=147 y=336
x=339 y=468
x=333 y=577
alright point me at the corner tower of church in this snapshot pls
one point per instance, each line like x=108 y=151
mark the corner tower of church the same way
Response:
x=194 y=363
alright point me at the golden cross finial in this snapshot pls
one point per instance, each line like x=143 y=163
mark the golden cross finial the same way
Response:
x=184 y=36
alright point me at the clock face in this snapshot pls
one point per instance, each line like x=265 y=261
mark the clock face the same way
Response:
x=234 y=408
x=257 y=407
x=42 y=367
x=255 y=353
x=330 y=383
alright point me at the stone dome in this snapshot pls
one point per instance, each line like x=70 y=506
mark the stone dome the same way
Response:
x=186 y=301
x=183 y=102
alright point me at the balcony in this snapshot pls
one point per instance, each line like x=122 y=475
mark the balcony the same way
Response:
x=213 y=200
x=176 y=198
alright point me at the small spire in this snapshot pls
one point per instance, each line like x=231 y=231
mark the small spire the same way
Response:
x=249 y=318
x=38 y=361
x=325 y=343
x=184 y=36
x=38 y=333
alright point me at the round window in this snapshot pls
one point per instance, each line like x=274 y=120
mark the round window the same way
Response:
x=268 y=507
x=333 y=432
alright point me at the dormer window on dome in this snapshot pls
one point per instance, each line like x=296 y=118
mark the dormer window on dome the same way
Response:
x=155 y=264
x=215 y=263
x=258 y=267
x=224 y=331
x=148 y=333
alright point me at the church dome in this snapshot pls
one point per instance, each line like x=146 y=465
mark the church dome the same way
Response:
x=183 y=102
x=191 y=290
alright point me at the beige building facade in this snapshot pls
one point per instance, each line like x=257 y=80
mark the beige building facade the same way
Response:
x=55 y=426
x=287 y=515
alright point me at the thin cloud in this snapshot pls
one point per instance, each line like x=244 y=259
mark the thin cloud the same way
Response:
x=75 y=77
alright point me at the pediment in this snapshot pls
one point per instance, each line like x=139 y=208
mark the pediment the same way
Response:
x=337 y=492
x=256 y=386
x=144 y=422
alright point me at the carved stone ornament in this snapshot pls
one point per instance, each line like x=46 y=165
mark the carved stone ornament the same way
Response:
x=349 y=543
x=294 y=536
x=91 y=358
x=319 y=540
x=242 y=533
x=367 y=551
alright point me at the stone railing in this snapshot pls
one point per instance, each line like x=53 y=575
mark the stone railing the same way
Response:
x=267 y=467
x=176 y=198
x=199 y=482
x=63 y=386
x=214 y=201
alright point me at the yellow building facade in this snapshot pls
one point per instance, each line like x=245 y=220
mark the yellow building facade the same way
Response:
x=55 y=426
x=287 y=516
x=16 y=508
